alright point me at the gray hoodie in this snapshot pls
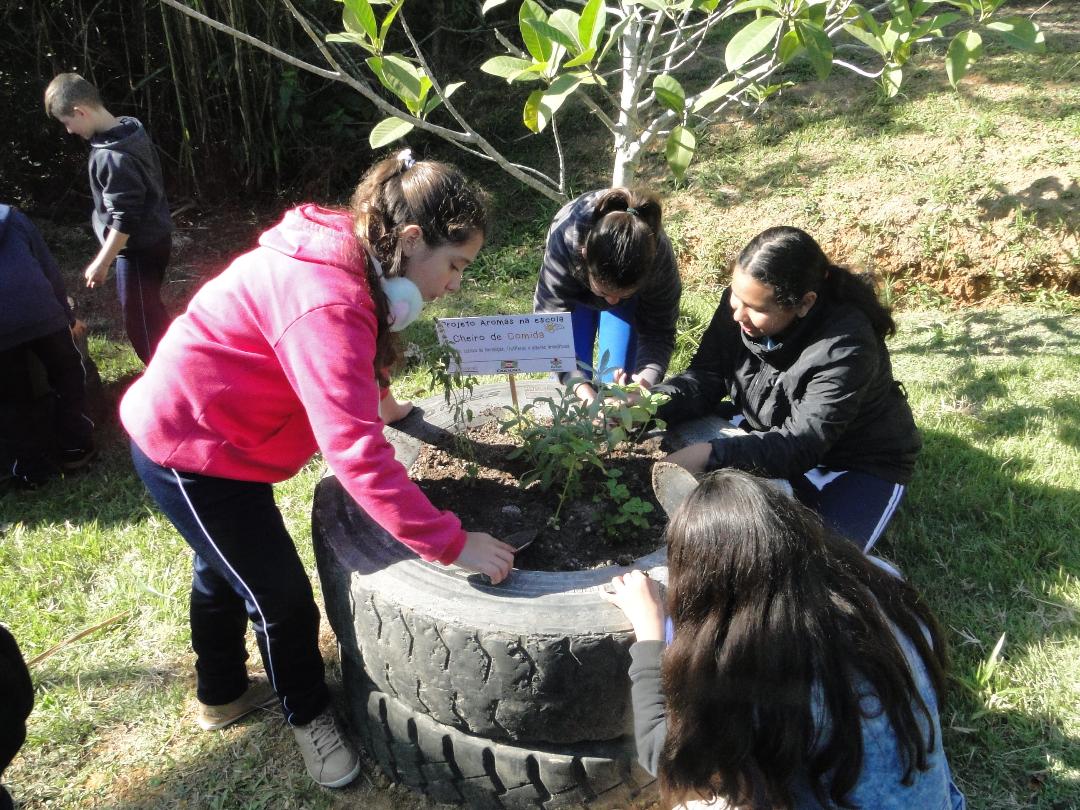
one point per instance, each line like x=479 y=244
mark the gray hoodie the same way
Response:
x=125 y=179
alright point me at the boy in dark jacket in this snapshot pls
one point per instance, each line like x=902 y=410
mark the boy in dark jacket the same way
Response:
x=131 y=214
x=35 y=320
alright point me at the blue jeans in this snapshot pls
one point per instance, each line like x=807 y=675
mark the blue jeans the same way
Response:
x=139 y=275
x=246 y=567
x=617 y=338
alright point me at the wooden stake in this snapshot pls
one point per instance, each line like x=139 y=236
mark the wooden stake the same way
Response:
x=513 y=392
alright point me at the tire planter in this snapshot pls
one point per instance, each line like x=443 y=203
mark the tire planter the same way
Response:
x=513 y=695
x=539 y=658
x=458 y=768
x=506 y=696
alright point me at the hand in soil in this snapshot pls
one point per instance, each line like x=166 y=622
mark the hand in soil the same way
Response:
x=639 y=598
x=483 y=554
x=390 y=410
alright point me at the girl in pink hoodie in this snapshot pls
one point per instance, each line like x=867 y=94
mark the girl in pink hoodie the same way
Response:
x=282 y=355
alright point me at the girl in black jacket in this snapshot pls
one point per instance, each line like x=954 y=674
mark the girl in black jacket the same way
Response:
x=798 y=346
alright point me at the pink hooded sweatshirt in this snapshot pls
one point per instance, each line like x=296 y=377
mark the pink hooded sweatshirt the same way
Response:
x=274 y=360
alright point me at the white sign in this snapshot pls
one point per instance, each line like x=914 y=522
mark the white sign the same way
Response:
x=508 y=344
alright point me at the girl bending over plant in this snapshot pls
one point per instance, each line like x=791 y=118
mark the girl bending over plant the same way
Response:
x=802 y=674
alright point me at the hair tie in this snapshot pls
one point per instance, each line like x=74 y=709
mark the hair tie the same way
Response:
x=631 y=210
x=406 y=158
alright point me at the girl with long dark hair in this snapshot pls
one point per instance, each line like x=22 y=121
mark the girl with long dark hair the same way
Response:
x=801 y=673
x=797 y=348
x=609 y=263
x=280 y=356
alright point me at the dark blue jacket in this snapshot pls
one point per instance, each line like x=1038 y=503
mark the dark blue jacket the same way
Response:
x=125 y=179
x=563 y=286
x=33 y=301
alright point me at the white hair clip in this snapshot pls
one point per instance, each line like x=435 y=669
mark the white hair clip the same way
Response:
x=406 y=158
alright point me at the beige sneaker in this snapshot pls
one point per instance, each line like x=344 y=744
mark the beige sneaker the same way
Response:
x=329 y=759
x=259 y=694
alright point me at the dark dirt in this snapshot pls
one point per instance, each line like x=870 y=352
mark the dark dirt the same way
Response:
x=492 y=501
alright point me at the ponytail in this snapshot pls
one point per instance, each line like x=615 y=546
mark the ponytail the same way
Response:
x=400 y=191
x=793 y=264
x=620 y=249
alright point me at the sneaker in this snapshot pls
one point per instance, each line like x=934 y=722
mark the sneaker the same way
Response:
x=329 y=759
x=259 y=694
x=33 y=473
x=71 y=460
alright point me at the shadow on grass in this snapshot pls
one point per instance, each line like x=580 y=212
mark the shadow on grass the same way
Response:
x=989 y=333
x=990 y=551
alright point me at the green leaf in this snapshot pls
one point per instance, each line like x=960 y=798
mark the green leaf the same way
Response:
x=613 y=36
x=750 y=41
x=653 y=5
x=818 y=47
x=387 y=131
x=713 y=94
x=566 y=21
x=435 y=101
x=581 y=59
x=752 y=5
x=352 y=39
x=790 y=46
x=558 y=92
x=708 y=6
x=867 y=38
x=507 y=67
x=670 y=93
x=591 y=24
x=1021 y=33
x=359 y=18
x=536 y=45
x=399 y=77
x=964 y=49
x=891 y=78
x=552 y=34
x=934 y=25
x=681 y=145
x=388 y=19
x=533 y=115
x=490 y=4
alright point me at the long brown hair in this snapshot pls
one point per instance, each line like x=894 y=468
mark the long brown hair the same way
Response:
x=776 y=618
x=620 y=247
x=400 y=191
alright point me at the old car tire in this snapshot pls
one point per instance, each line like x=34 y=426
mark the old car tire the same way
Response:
x=540 y=658
x=457 y=768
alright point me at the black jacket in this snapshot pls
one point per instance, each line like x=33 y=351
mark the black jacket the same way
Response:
x=563 y=286
x=823 y=395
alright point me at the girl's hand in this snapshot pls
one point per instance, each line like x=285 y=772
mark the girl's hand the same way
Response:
x=483 y=554
x=585 y=392
x=693 y=457
x=639 y=598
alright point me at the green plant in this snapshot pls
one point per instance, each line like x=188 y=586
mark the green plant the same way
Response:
x=574 y=437
x=628 y=510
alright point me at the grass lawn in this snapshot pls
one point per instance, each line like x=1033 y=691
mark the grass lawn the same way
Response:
x=948 y=196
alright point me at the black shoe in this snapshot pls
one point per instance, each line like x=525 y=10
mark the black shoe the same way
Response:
x=33 y=473
x=71 y=460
